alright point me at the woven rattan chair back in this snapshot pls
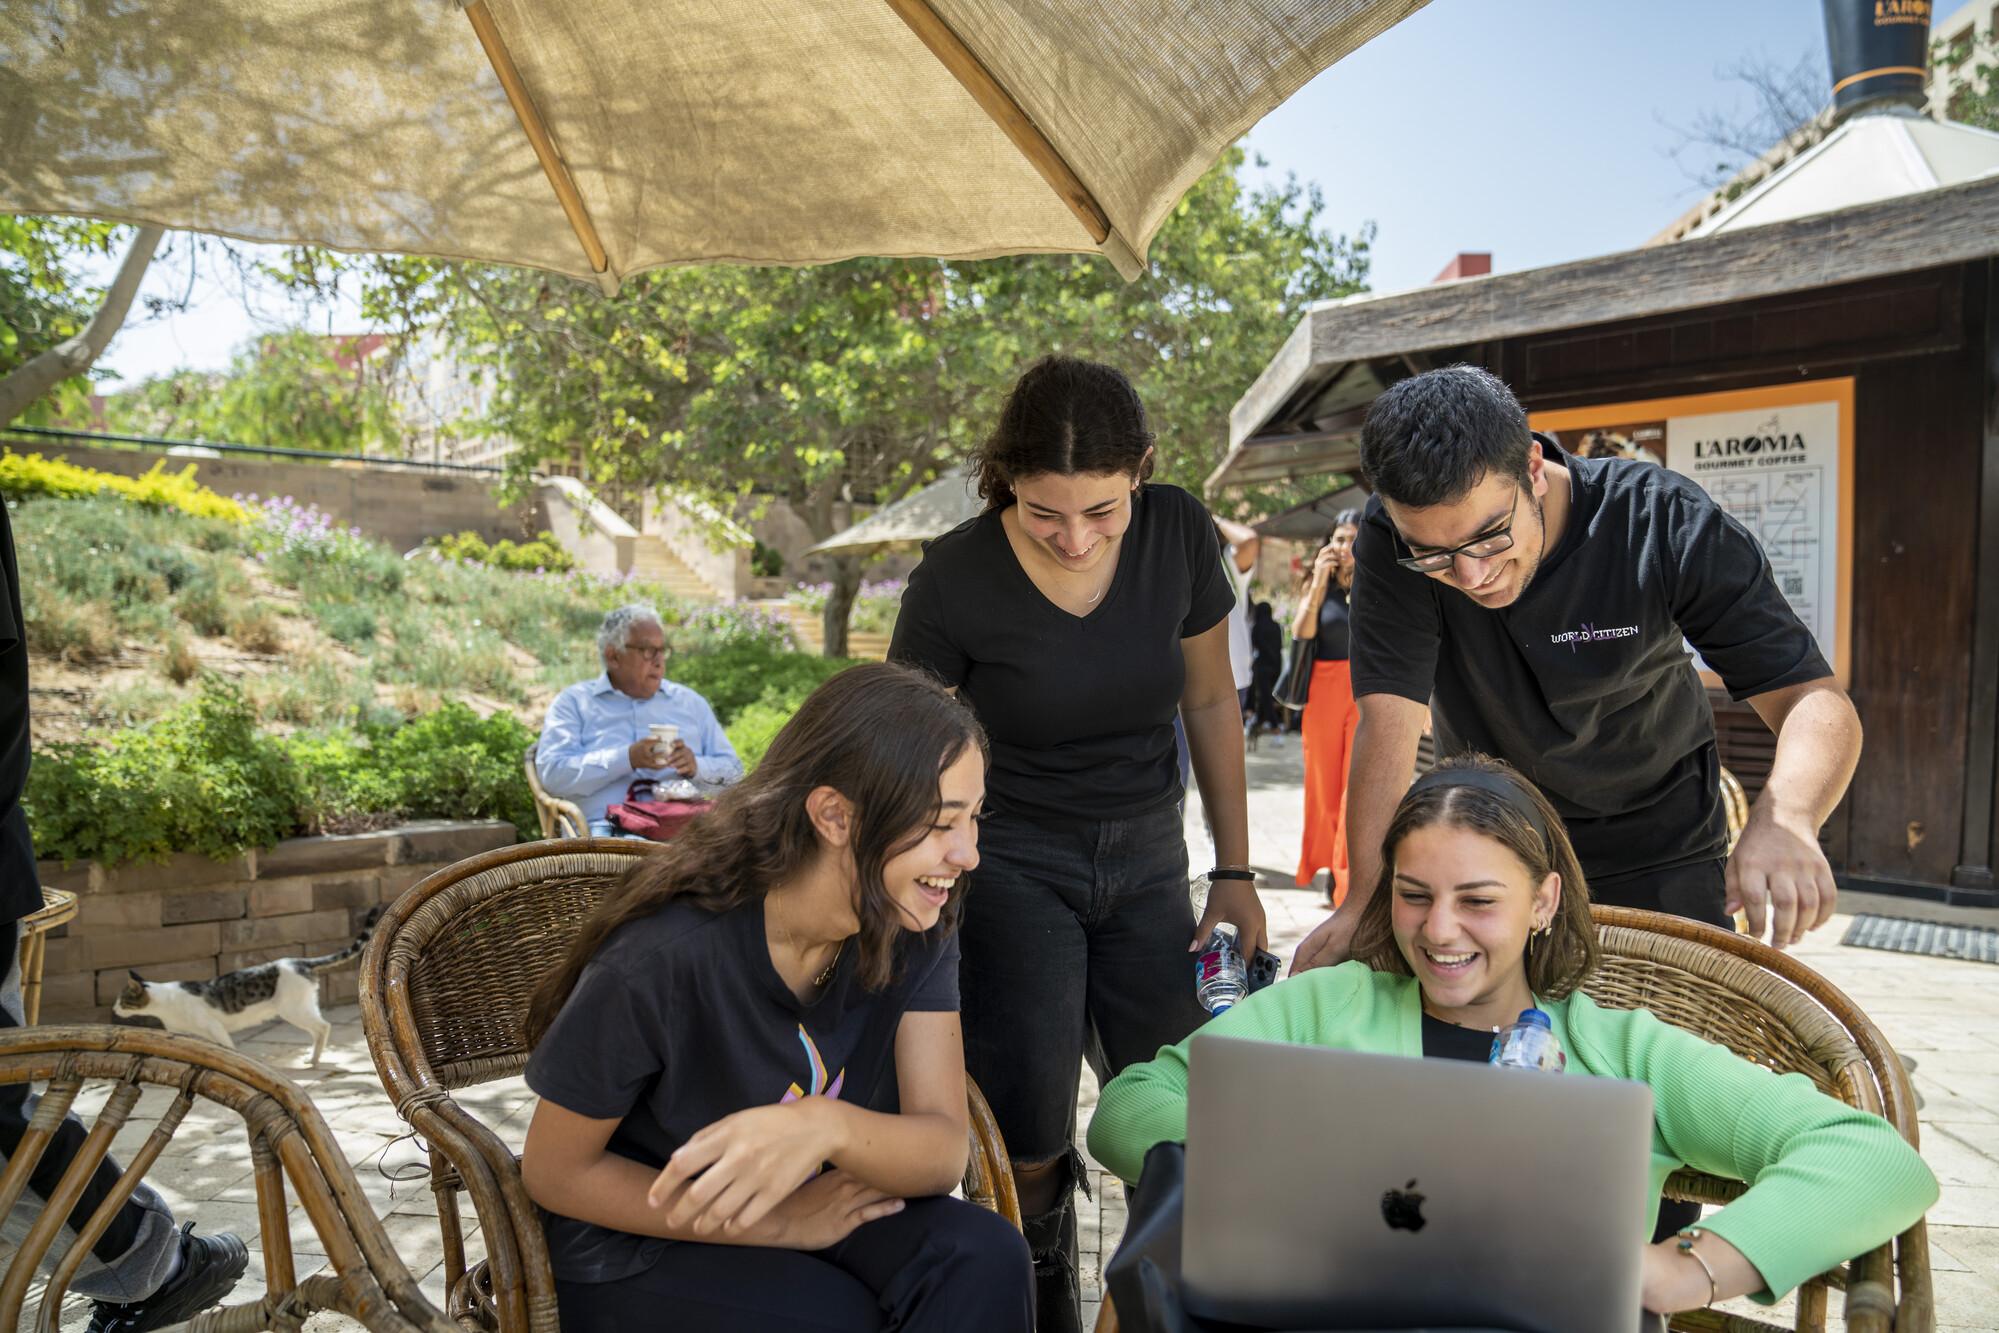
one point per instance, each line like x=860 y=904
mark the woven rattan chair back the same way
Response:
x=1771 y=1009
x=445 y=986
x=558 y=818
x=289 y=1144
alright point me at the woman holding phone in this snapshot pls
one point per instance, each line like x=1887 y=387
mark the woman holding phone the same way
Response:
x=1324 y=613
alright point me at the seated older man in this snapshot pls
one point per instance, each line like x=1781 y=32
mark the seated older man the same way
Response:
x=598 y=735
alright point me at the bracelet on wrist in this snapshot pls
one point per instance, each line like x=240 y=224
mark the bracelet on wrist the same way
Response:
x=1243 y=873
x=1686 y=1247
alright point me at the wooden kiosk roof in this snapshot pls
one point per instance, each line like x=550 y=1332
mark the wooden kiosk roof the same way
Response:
x=1302 y=416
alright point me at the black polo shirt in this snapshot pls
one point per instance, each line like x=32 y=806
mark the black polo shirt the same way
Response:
x=1585 y=684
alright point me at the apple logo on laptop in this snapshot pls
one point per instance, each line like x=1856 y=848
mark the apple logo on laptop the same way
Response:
x=1403 y=1209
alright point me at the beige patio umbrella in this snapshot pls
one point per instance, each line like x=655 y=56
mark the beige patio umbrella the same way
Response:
x=600 y=138
x=914 y=519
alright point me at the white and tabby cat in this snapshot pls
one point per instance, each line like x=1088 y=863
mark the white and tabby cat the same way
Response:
x=286 y=988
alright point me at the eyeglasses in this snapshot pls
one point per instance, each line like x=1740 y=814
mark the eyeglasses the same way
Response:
x=1478 y=548
x=659 y=654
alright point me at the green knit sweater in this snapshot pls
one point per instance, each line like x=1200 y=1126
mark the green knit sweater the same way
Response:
x=1828 y=1182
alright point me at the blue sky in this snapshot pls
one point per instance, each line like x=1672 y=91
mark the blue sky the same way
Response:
x=1529 y=128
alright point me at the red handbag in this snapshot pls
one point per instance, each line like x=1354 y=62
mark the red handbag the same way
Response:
x=642 y=815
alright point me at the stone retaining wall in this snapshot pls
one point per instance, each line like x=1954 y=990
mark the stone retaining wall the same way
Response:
x=191 y=919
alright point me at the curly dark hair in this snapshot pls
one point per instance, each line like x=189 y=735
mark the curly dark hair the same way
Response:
x=1066 y=416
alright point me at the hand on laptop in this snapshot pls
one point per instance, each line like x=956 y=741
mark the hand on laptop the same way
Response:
x=1328 y=944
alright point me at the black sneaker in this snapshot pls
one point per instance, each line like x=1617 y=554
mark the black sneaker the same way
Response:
x=209 y=1269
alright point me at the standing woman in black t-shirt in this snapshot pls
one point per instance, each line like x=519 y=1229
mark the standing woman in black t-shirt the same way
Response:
x=1076 y=615
x=752 y=1086
x=1330 y=714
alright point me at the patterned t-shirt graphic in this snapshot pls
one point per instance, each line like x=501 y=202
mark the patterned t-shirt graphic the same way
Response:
x=815 y=1073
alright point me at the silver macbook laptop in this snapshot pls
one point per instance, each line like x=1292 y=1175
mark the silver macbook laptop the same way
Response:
x=1331 y=1190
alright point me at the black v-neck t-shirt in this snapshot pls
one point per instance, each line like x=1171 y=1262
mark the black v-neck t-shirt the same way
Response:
x=1079 y=709
x=20 y=885
x=1584 y=683
x=681 y=1019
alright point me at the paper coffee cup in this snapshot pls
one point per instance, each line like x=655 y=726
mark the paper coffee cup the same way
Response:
x=665 y=733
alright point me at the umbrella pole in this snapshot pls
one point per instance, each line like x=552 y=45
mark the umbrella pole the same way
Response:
x=545 y=150
x=1014 y=122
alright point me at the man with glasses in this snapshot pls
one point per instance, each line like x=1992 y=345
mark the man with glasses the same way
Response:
x=601 y=734
x=1539 y=607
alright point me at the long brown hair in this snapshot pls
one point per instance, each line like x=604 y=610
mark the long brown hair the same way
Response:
x=880 y=735
x=1557 y=963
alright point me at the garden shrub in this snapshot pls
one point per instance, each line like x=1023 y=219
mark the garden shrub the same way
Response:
x=542 y=555
x=875 y=604
x=734 y=677
x=33 y=475
x=200 y=779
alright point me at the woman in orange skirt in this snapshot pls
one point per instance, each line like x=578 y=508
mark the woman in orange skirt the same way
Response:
x=1330 y=713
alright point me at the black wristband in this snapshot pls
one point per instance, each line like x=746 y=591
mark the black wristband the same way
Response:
x=1247 y=876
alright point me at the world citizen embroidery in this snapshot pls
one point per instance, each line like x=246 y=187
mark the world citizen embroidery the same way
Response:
x=1591 y=634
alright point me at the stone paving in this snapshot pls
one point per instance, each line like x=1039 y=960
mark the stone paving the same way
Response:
x=1944 y=1015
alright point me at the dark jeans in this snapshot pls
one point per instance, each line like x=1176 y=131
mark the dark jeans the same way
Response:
x=938 y=1266
x=1697 y=892
x=1694 y=891
x=1074 y=947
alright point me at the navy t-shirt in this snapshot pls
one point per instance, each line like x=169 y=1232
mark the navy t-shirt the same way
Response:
x=1584 y=684
x=682 y=1019
x=1079 y=709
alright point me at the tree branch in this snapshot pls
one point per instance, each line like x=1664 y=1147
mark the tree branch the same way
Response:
x=73 y=356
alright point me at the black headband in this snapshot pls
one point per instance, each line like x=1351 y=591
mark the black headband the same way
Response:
x=1498 y=784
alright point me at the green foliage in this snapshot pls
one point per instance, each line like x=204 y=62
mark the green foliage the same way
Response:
x=287 y=389
x=734 y=677
x=44 y=298
x=1975 y=101
x=203 y=779
x=32 y=475
x=200 y=779
x=543 y=554
x=865 y=379
x=756 y=727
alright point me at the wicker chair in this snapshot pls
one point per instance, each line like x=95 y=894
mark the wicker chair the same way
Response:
x=559 y=818
x=1735 y=802
x=287 y=1140
x=445 y=984
x=58 y=909
x=1767 y=1007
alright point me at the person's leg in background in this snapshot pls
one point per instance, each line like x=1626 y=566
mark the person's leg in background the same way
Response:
x=1022 y=980
x=1325 y=773
x=143 y=1272
x=1349 y=722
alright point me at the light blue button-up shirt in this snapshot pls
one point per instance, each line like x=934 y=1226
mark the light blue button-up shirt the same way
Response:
x=584 y=753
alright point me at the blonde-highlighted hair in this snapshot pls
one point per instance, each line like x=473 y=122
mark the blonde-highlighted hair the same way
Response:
x=1558 y=962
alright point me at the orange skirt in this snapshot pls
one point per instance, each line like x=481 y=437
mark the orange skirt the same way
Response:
x=1329 y=722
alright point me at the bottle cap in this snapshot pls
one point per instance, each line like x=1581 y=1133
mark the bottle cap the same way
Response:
x=1536 y=1018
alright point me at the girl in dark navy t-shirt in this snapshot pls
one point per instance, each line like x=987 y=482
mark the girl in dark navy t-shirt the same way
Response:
x=752 y=1086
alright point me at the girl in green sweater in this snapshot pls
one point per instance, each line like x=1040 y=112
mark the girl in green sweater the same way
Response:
x=1482 y=912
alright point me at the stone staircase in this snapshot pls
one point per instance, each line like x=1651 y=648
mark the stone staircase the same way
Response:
x=654 y=561
x=873 y=647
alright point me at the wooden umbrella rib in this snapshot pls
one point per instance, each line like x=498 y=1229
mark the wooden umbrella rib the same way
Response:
x=999 y=104
x=545 y=150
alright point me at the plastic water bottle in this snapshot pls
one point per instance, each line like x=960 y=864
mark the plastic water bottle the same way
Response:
x=1220 y=978
x=1528 y=1042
